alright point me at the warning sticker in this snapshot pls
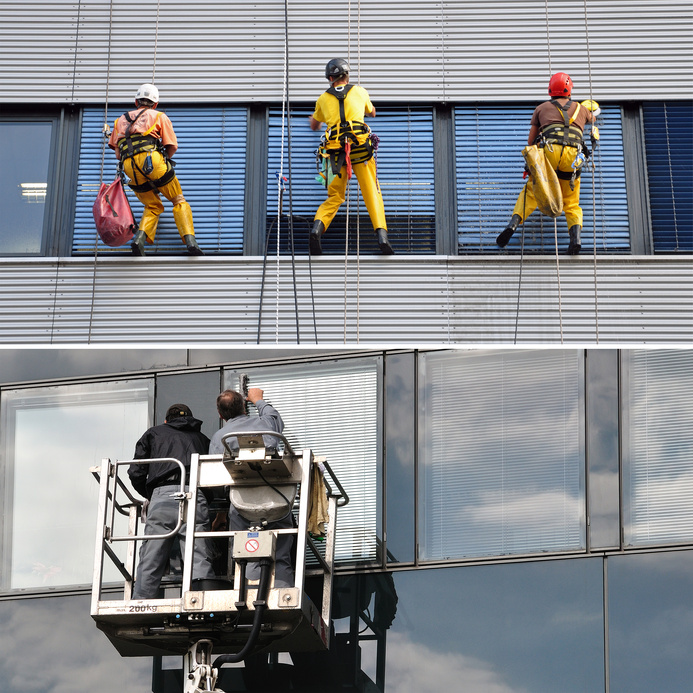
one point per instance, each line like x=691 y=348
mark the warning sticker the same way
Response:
x=252 y=545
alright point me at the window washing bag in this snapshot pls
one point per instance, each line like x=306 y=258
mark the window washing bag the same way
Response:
x=113 y=217
x=545 y=186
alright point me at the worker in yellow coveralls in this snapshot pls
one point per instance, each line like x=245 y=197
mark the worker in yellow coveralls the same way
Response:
x=557 y=126
x=348 y=145
x=144 y=142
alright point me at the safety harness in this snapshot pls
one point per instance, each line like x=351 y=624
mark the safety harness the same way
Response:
x=346 y=133
x=132 y=144
x=566 y=135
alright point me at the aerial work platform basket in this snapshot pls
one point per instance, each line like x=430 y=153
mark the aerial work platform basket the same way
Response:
x=234 y=616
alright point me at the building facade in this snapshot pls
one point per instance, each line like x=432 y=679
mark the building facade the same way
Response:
x=454 y=83
x=519 y=519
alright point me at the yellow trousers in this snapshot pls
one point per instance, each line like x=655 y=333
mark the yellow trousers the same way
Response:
x=153 y=207
x=560 y=158
x=370 y=189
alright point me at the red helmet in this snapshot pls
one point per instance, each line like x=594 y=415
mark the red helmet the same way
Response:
x=560 y=85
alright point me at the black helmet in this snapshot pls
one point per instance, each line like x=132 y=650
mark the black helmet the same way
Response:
x=336 y=68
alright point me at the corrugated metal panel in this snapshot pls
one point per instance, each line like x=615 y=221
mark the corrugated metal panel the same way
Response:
x=407 y=50
x=405 y=172
x=669 y=146
x=489 y=143
x=211 y=164
x=410 y=301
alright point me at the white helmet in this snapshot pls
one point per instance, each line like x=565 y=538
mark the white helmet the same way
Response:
x=149 y=92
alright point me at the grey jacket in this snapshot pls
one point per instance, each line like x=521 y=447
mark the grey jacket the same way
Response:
x=268 y=420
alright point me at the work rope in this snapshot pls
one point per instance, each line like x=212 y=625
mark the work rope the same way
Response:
x=156 y=41
x=671 y=177
x=106 y=134
x=347 y=192
x=522 y=254
x=281 y=179
x=594 y=192
x=555 y=224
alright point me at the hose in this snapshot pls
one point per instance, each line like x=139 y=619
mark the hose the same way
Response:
x=260 y=605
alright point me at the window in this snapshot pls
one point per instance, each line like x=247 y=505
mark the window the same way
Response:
x=25 y=148
x=658 y=447
x=405 y=173
x=489 y=141
x=333 y=408
x=669 y=148
x=211 y=168
x=51 y=437
x=501 y=461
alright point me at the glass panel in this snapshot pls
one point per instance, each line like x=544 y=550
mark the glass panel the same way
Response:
x=603 y=448
x=51 y=436
x=502 y=453
x=32 y=365
x=405 y=173
x=334 y=408
x=489 y=142
x=211 y=163
x=650 y=622
x=52 y=645
x=658 y=447
x=400 y=446
x=24 y=152
x=491 y=629
x=668 y=129
x=197 y=390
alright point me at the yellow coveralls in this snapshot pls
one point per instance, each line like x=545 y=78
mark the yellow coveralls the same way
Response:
x=560 y=158
x=356 y=104
x=153 y=207
x=155 y=124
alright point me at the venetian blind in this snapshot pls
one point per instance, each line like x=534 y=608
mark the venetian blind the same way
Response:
x=502 y=454
x=332 y=408
x=658 y=446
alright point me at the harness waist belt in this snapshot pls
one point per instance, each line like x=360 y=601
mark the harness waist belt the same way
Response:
x=140 y=143
x=555 y=133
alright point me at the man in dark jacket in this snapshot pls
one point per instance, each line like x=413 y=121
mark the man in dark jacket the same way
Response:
x=178 y=437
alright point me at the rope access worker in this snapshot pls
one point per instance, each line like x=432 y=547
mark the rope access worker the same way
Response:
x=349 y=144
x=144 y=143
x=178 y=437
x=231 y=408
x=557 y=125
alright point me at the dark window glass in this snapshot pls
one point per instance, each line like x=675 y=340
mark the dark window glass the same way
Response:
x=489 y=141
x=669 y=148
x=52 y=645
x=658 y=446
x=405 y=172
x=651 y=622
x=24 y=153
x=400 y=447
x=501 y=466
x=211 y=162
x=496 y=629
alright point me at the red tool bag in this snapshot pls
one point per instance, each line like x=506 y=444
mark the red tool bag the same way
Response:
x=113 y=216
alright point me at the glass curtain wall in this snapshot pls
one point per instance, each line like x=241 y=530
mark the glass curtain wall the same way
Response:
x=658 y=446
x=501 y=461
x=51 y=438
x=334 y=408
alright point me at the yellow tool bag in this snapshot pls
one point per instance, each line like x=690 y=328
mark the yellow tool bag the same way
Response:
x=545 y=186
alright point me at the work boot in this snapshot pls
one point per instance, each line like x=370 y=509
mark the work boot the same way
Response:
x=191 y=245
x=385 y=247
x=574 y=245
x=507 y=233
x=137 y=243
x=314 y=239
